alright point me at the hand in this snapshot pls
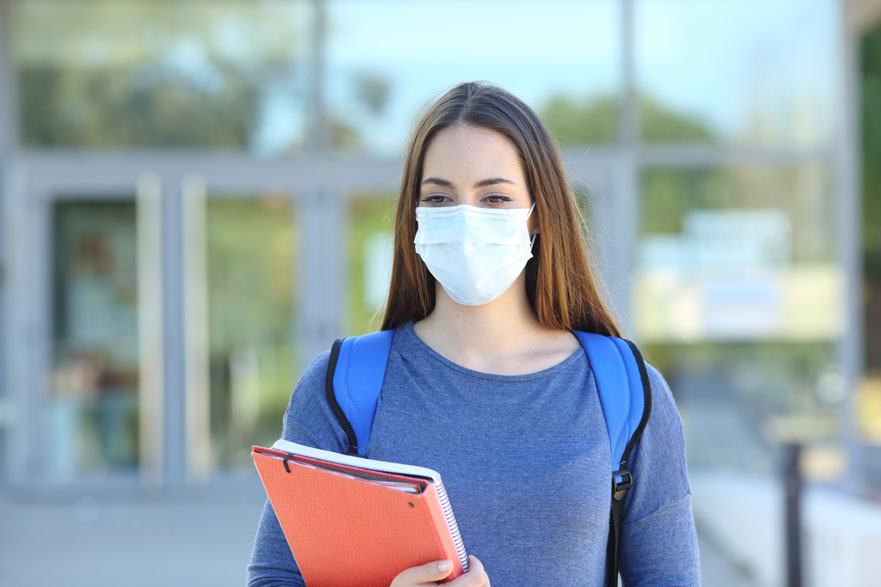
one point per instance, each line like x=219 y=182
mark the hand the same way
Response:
x=432 y=572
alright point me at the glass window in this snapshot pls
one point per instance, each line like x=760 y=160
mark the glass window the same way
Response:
x=250 y=252
x=561 y=57
x=738 y=72
x=136 y=73
x=739 y=302
x=371 y=240
x=740 y=399
x=743 y=252
x=92 y=414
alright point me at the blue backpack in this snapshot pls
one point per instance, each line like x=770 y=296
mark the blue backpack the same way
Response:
x=357 y=367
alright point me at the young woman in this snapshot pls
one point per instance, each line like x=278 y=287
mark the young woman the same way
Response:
x=485 y=381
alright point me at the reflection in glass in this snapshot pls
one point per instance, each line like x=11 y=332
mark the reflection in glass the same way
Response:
x=739 y=400
x=371 y=237
x=92 y=413
x=738 y=72
x=738 y=300
x=143 y=73
x=559 y=56
x=738 y=253
x=250 y=252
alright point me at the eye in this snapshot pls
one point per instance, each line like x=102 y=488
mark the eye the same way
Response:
x=496 y=199
x=435 y=199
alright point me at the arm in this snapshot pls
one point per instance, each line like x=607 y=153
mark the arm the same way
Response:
x=272 y=564
x=658 y=538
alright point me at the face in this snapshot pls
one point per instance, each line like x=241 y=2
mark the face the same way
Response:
x=475 y=166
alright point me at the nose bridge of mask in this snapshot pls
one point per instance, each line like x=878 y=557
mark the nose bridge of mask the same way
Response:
x=507 y=226
x=465 y=223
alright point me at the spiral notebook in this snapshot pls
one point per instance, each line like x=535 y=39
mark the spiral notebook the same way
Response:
x=355 y=521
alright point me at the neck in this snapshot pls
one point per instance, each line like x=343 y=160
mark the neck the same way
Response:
x=504 y=324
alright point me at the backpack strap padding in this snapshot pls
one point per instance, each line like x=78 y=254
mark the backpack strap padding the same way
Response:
x=612 y=361
x=626 y=408
x=357 y=380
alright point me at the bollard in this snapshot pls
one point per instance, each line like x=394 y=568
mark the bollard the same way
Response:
x=792 y=490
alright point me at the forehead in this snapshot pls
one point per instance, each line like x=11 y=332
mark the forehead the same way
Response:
x=471 y=152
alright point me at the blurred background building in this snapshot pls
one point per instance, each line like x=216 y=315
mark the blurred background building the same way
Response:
x=196 y=201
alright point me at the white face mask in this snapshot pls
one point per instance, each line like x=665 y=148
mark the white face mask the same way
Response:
x=475 y=253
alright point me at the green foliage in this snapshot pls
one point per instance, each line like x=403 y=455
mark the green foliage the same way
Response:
x=595 y=120
x=870 y=85
x=135 y=73
x=871 y=160
x=124 y=107
x=668 y=195
x=367 y=216
x=577 y=122
x=660 y=123
x=250 y=251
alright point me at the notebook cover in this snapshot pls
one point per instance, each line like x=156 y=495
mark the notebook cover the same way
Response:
x=348 y=531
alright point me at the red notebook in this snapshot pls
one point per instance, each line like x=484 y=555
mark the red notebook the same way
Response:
x=355 y=521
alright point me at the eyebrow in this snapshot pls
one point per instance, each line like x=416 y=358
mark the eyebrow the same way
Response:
x=479 y=184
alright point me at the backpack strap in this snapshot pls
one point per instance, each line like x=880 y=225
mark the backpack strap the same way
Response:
x=625 y=394
x=354 y=378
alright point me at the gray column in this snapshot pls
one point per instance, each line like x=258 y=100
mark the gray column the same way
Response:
x=174 y=412
x=319 y=132
x=320 y=280
x=17 y=331
x=151 y=360
x=626 y=207
x=850 y=346
x=8 y=140
x=8 y=87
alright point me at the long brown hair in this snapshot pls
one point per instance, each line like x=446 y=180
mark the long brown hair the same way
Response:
x=560 y=282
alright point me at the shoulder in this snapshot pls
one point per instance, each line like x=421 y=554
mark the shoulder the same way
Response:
x=663 y=432
x=658 y=506
x=310 y=389
x=659 y=458
x=309 y=419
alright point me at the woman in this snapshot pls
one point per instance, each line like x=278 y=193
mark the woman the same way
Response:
x=485 y=381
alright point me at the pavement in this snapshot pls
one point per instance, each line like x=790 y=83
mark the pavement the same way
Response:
x=185 y=540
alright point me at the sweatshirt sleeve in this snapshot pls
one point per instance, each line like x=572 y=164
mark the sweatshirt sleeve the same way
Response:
x=658 y=538
x=308 y=420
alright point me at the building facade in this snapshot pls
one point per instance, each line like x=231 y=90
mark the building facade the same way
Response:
x=196 y=201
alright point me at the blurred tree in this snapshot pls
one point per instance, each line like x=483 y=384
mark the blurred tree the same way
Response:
x=595 y=120
x=372 y=91
x=581 y=121
x=138 y=73
x=344 y=136
x=369 y=216
x=871 y=203
x=124 y=107
x=799 y=191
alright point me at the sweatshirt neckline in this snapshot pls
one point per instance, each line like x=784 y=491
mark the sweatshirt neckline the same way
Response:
x=411 y=339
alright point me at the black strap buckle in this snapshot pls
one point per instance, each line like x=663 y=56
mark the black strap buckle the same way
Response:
x=622 y=481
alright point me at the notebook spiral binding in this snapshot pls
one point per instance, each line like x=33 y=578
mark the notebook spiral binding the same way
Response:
x=452 y=525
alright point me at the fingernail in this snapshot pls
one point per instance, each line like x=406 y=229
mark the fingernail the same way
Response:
x=444 y=566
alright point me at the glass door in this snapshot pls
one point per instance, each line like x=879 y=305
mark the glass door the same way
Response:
x=240 y=258
x=85 y=337
x=92 y=408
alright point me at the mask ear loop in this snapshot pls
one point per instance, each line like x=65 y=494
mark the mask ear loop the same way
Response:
x=532 y=240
